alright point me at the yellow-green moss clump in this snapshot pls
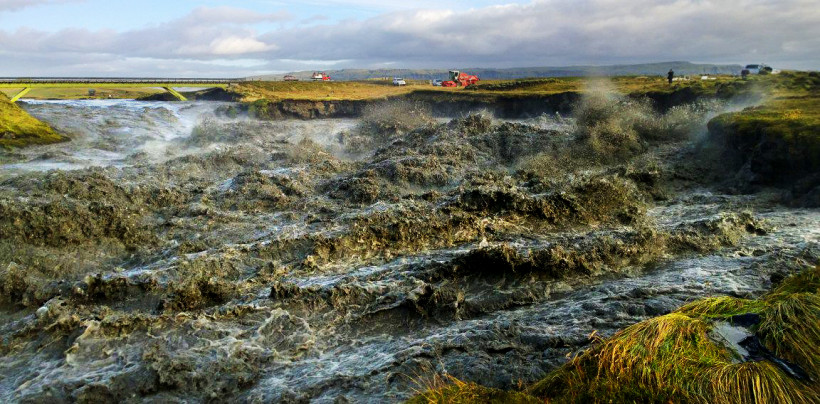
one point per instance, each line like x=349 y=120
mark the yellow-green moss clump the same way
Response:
x=674 y=358
x=453 y=391
x=18 y=128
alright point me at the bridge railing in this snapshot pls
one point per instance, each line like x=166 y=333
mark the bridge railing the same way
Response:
x=105 y=80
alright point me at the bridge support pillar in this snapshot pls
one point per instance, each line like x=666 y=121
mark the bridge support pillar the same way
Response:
x=20 y=94
x=175 y=94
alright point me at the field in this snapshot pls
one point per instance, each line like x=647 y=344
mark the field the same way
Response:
x=378 y=89
x=324 y=91
x=794 y=101
x=82 y=93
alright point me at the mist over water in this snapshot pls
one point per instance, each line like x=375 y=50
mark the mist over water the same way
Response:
x=119 y=133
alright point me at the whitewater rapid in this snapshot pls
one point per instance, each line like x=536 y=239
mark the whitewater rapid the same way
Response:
x=170 y=252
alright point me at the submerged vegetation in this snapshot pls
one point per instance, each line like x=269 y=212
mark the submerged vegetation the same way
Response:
x=444 y=389
x=616 y=128
x=382 y=122
x=610 y=128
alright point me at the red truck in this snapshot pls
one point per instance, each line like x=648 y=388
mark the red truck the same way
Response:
x=460 y=79
x=320 y=76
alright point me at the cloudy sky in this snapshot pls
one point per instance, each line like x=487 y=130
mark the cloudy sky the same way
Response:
x=248 y=37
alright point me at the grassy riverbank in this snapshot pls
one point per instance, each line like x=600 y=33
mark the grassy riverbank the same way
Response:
x=506 y=99
x=18 y=128
x=379 y=89
x=780 y=139
x=82 y=93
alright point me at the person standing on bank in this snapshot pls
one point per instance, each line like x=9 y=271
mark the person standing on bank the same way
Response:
x=670 y=76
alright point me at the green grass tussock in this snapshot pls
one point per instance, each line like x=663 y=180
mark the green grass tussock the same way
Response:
x=672 y=358
x=676 y=358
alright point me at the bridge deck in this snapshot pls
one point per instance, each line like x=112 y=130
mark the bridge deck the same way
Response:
x=112 y=82
x=26 y=84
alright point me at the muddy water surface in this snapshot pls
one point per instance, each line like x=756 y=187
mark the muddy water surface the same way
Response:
x=170 y=254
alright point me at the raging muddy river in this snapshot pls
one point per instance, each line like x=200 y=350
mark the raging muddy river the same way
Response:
x=175 y=252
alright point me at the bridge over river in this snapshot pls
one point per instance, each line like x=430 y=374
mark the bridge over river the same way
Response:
x=27 y=84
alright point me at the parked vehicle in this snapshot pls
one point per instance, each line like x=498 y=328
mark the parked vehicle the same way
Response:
x=320 y=76
x=398 y=81
x=290 y=78
x=760 y=69
x=459 y=79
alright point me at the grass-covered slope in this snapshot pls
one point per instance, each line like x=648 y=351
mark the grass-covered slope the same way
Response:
x=18 y=128
x=779 y=141
x=323 y=91
x=678 y=358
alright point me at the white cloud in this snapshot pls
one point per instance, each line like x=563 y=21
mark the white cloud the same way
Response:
x=567 y=32
x=233 y=15
x=234 y=45
x=16 y=5
x=323 y=63
x=544 y=32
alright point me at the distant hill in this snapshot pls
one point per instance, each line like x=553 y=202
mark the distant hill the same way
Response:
x=654 y=69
